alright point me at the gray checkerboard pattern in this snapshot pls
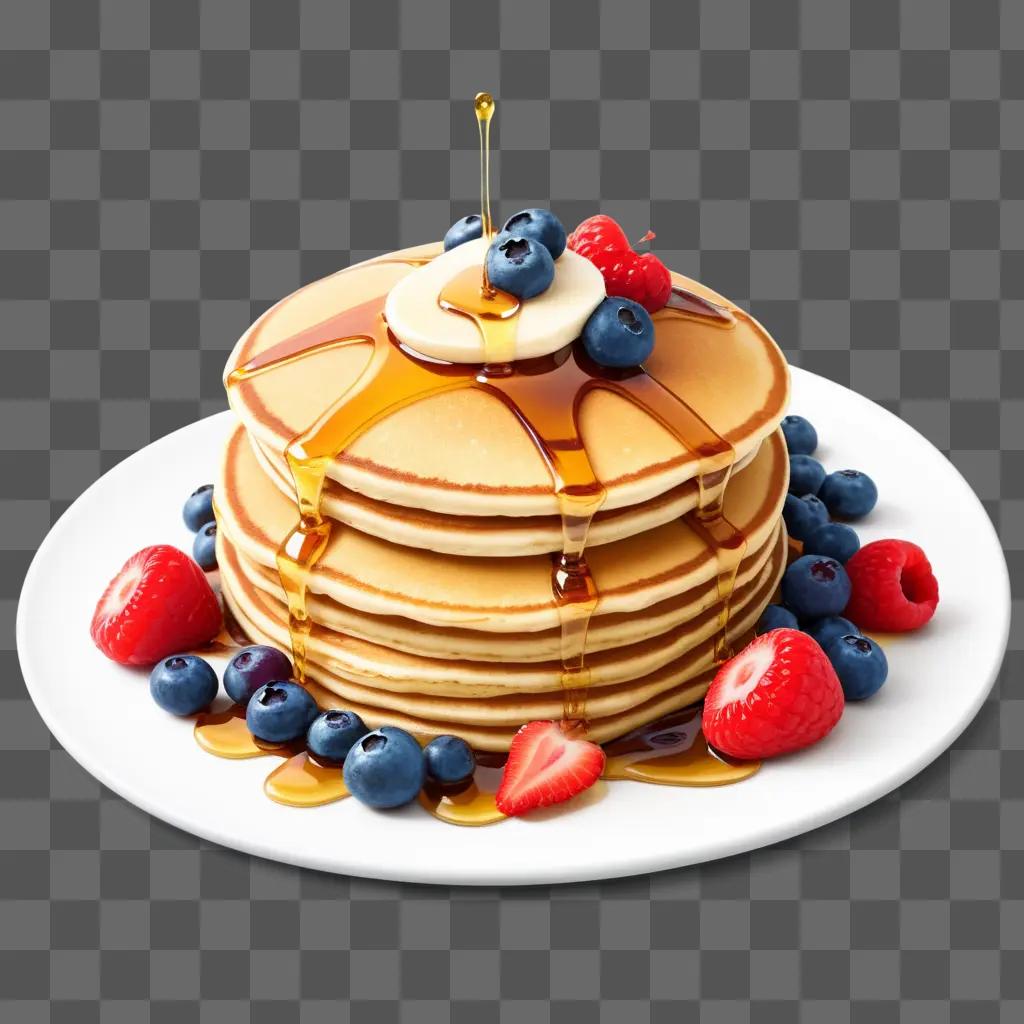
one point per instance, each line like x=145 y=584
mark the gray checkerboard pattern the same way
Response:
x=853 y=170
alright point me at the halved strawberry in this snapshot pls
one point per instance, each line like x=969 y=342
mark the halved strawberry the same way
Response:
x=160 y=603
x=545 y=766
x=780 y=693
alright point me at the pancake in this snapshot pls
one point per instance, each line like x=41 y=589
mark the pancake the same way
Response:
x=605 y=632
x=670 y=689
x=464 y=452
x=496 y=595
x=385 y=668
x=485 y=536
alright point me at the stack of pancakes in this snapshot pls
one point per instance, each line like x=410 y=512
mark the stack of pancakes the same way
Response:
x=432 y=605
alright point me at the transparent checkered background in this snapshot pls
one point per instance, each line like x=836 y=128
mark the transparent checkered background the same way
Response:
x=853 y=170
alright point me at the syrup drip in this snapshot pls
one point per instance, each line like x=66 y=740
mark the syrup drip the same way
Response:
x=466 y=803
x=483 y=107
x=673 y=752
x=494 y=312
x=303 y=782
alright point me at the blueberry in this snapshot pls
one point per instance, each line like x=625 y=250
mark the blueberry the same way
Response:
x=198 y=510
x=860 y=664
x=849 y=493
x=280 y=712
x=464 y=230
x=204 y=547
x=332 y=734
x=837 y=540
x=183 y=684
x=776 y=617
x=801 y=437
x=251 y=668
x=803 y=515
x=541 y=225
x=449 y=759
x=385 y=768
x=619 y=333
x=824 y=631
x=805 y=475
x=520 y=266
x=814 y=587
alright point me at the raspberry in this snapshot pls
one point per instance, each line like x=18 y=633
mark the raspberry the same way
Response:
x=627 y=274
x=894 y=589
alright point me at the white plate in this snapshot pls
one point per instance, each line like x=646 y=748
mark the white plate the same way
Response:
x=103 y=715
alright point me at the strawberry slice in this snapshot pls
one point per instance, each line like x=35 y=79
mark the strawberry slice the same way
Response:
x=641 y=277
x=160 y=603
x=779 y=694
x=545 y=766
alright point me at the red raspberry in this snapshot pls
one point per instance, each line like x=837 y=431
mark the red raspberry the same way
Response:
x=628 y=274
x=779 y=694
x=160 y=603
x=894 y=588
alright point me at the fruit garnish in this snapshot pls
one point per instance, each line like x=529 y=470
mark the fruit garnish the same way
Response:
x=641 y=277
x=830 y=628
x=860 y=664
x=521 y=266
x=775 y=616
x=463 y=230
x=253 y=667
x=893 y=587
x=619 y=333
x=183 y=684
x=449 y=759
x=541 y=225
x=836 y=540
x=204 y=547
x=158 y=604
x=803 y=515
x=801 y=437
x=546 y=766
x=280 y=712
x=815 y=586
x=848 y=494
x=198 y=508
x=332 y=735
x=806 y=475
x=779 y=694
x=385 y=768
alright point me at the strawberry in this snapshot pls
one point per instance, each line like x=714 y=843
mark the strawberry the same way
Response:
x=545 y=766
x=894 y=588
x=158 y=604
x=780 y=693
x=627 y=274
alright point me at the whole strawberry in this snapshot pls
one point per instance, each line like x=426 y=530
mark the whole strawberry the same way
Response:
x=779 y=694
x=641 y=277
x=160 y=603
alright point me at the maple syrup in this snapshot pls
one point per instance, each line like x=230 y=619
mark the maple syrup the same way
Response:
x=465 y=803
x=302 y=781
x=673 y=752
x=545 y=396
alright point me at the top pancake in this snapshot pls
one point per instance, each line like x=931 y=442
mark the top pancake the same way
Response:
x=463 y=452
